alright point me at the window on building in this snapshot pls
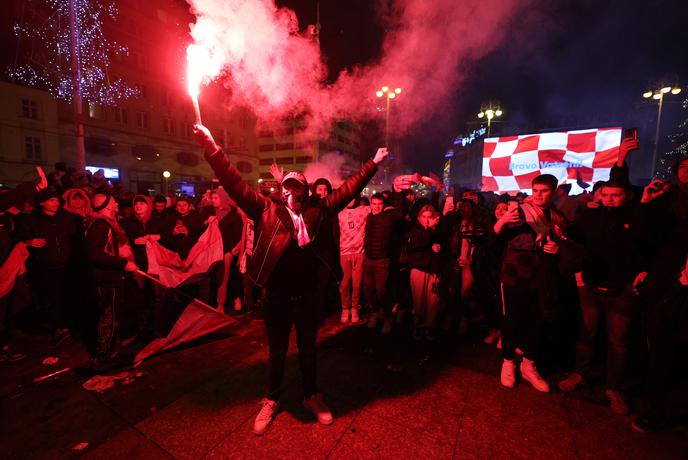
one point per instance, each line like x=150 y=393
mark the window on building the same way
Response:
x=285 y=161
x=96 y=111
x=32 y=148
x=266 y=161
x=142 y=120
x=168 y=98
x=241 y=145
x=121 y=116
x=265 y=133
x=187 y=129
x=29 y=109
x=266 y=148
x=141 y=90
x=169 y=126
x=285 y=146
x=304 y=159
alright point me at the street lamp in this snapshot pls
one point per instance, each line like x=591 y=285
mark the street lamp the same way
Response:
x=166 y=175
x=658 y=95
x=489 y=111
x=388 y=94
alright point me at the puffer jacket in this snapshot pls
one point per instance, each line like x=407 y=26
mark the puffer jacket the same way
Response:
x=274 y=227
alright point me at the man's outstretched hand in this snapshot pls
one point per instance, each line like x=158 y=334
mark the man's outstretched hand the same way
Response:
x=380 y=155
x=203 y=137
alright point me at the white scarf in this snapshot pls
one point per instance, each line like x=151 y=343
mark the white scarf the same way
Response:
x=301 y=232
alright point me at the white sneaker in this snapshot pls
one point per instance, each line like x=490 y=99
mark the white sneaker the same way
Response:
x=354 y=315
x=317 y=405
x=265 y=416
x=345 y=315
x=530 y=373
x=508 y=377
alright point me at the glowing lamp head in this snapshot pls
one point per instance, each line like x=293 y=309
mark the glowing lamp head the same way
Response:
x=391 y=95
x=481 y=114
x=647 y=94
x=666 y=89
x=379 y=93
x=166 y=174
x=397 y=90
x=675 y=90
x=385 y=89
x=498 y=113
x=657 y=96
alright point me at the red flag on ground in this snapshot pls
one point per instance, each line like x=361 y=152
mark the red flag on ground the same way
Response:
x=184 y=318
x=188 y=319
x=14 y=266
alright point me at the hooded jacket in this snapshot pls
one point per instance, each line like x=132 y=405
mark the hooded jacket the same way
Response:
x=274 y=228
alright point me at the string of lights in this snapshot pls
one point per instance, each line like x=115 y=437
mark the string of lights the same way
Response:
x=680 y=149
x=50 y=67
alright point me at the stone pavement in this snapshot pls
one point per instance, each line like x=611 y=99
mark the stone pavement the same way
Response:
x=200 y=401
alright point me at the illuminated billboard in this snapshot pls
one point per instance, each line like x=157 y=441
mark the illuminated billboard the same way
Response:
x=579 y=158
x=110 y=173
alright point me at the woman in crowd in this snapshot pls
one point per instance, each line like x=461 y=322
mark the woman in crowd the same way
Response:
x=222 y=209
x=423 y=248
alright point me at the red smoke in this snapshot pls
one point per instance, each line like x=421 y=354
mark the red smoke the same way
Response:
x=277 y=70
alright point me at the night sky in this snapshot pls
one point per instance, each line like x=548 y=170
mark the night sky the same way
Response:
x=561 y=58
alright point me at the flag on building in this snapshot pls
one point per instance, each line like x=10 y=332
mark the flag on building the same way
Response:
x=583 y=157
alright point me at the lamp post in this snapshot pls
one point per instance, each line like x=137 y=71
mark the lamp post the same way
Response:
x=658 y=95
x=388 y=94
x=490 y=111
x=166 y=175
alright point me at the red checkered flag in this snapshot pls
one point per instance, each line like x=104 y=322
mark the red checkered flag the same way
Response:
x=511 y=163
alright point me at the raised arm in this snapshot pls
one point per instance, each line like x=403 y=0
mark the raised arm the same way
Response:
x=354 y=185
x=236 y=187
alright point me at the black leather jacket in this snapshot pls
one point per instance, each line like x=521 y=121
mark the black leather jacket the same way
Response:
x=274 y=227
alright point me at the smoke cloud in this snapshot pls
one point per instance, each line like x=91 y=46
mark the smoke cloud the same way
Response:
x=273 y=65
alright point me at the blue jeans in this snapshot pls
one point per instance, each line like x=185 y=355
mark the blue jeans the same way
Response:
x=618 y=309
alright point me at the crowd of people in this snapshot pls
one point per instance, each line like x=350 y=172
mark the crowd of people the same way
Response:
x=574 y=289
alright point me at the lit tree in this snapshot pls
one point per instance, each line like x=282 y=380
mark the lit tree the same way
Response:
x=679 y=141
x=69 y=55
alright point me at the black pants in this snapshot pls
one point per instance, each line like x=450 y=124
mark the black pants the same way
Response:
x=49 y=290
x=667 y=340
x=376 y=277
x=109 y=302
x=619 y=310
x=280 y=313
x=522 y=321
